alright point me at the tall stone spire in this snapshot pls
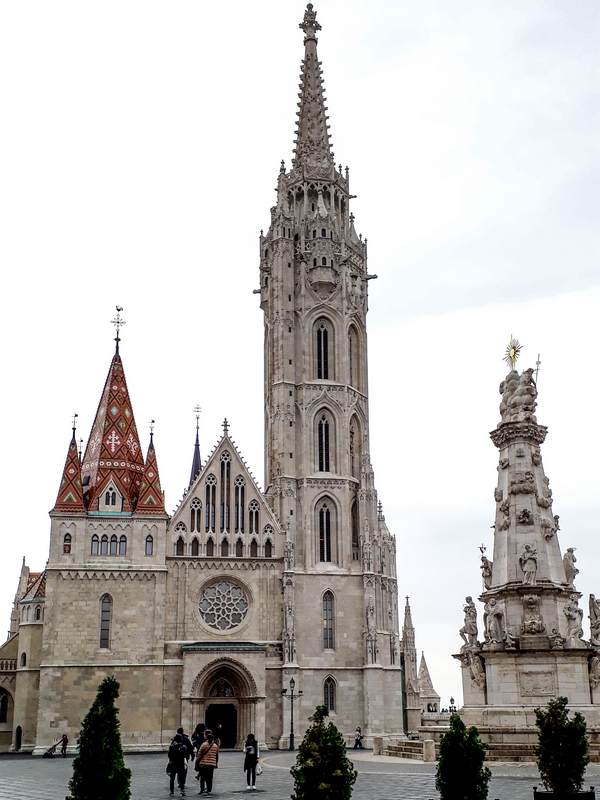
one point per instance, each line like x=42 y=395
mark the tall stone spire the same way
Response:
x=532 y=637
x=70 y=495
x=312 y=144
x=113 y=451
x=151 y=500
x=196 y=462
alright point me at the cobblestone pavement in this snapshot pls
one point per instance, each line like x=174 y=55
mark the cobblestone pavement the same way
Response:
x=26 y=778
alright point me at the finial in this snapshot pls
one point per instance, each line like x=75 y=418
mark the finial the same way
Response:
x=74 y=423
x=197 y=412
x=309 y=24
x=80 y=448
x=538 y=364
x=482 y=548
x=512 y=352
x=151 y=431
x=225 y=427
x=118 y=322
x=380 y=509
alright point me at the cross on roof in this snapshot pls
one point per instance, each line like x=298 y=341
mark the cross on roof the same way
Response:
x=74 y=421
x=197 y=412
x=225 y=427
x=118 y=322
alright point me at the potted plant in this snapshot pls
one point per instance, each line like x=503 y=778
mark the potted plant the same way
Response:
x=562 y=752
x=460 y=772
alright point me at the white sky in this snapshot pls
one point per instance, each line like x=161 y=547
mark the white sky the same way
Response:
x=139 y=149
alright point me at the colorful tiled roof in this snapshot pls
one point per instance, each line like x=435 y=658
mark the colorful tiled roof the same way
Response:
x=151 y=500
x=70 y=494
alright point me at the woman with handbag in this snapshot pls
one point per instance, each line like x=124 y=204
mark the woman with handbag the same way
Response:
x=251 y=765
x=207 y=761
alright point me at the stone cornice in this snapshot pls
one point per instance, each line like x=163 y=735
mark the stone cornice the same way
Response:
x=508 y=432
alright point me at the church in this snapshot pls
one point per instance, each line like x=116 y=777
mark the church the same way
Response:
x=212 y=613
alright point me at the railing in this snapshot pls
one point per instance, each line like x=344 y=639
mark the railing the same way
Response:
x=8 y=664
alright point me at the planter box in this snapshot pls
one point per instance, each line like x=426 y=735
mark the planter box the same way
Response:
x=538 y=794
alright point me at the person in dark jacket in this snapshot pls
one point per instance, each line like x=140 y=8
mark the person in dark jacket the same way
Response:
x=198 y=735
x=64 y=741
x=251 y=757
x=187 y=742
x=177 y=765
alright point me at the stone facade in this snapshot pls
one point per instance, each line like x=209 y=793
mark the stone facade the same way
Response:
x=209 y=613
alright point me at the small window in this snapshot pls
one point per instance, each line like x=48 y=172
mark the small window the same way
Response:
x=67 y=543
x=123 y=546
x=38 y=614
x=239 y=548
x=268 y=549
x=105 y=621
x=23 y=659
x=113 y=545
x=104 y=545
x=95 y=545
x=149 y=550
x=225 y=548
x=323 y=233
x=323 y=261
x=328 y=621
x=195 y=547
x=210 y=548
x=179 y=547
x=253 y=516
x=195 y=508
x=253 y=549
x=329 y=694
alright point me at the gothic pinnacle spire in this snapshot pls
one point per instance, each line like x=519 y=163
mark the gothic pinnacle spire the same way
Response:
x=312 y=145
x=151 y=499
x=70 y=494
x=196 y=462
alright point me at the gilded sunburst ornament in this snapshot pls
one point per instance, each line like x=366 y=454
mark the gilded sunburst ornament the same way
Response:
x=513 y=351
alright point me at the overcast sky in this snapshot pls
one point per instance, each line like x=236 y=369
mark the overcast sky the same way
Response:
x=139 y=149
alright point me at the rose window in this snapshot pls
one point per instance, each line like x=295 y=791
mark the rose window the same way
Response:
x=223 y=605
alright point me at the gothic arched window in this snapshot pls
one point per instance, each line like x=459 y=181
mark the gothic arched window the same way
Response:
x=3 y=706
x=211 y=489
x=354 y=358
x=240 y=503
x=195 y=546
x=195 y=509
x=324 y=438
x=110 y=497
x=225 y=548
x=225 y=489
x=23 y=659
x=95 y=545
x=104 y=545
x=323 y=344
x=253 y=549
x=239 y=548
x=325 y=513
x=328 y=621
x=105 y=620
x=149 y=549
x=355 y=530
x=123 y=546
x=180 y=547
x=38 y=613
x=268 y=549
x=329 y=693
x=113 y=545
x=253 y=518
x=210 y=548
x=67 y=543
x=355 y=447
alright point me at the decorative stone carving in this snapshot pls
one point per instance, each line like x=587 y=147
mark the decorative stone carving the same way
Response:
x=519 y=397
x=486 y=571
x=289 y=556
x=532 y=618
x=367 y=557
x=571 y=570
x=594 y=621
x=594 y=671
x=525 y=517
x=520 y=452
x=536 y=456
x=547 y=529
x=468 y=632
x=557 y=642
x=522 y=483
x=536 y=684
x=223 y=605
x=528 y=563
x=574 y=616
x=493 y=622
x=477 y=669
x=504 y=509
x=543 y=502
x=556 y=523
x=498 y=494
x=371 y=633
x=289 y=635
x=504 y=463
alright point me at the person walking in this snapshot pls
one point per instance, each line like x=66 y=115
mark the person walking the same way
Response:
x=177 y=766
x=358 y=737
x=187 y=742
x=198 y=735
x=64 y=741
x=252 y=754
x=207 y=761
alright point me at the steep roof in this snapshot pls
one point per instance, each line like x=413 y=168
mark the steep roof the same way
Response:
x=151 y=499
x=113 y=451
x=426 y=689
x=70 y=494
x=36 y=589
x=196 y=461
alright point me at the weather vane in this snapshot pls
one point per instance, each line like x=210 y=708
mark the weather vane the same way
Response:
x=513 y=351
x=118 y=322
x=151 y=427
x=197 y=412
x=74 y=420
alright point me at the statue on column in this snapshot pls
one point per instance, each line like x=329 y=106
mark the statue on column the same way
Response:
x=486 y=571
x=468 y=632
x=574 y=616
x=288 y=555
x=289 y=636
x=571 y=570
x=493 y=622
x=594 y=621
x=371 y=634
x=528 y=563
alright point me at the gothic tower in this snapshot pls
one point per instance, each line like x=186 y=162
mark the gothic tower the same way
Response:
x=340 y=564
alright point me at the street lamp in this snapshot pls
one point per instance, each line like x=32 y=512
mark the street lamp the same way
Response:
x=452 y=706
x=291 y=697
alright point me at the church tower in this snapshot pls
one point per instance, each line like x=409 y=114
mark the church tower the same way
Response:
x=341 y=634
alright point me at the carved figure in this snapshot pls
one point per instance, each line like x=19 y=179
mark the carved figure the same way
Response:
x=594 y=671
x=468 y=632
x=547 y=529
x=289 y=555
x=486 y=571
x=543 y=502
x=503 y=463
x=522 y=483
x=525 y=517
x=557 y=642
x=371 y=622
x=498 y=494
x=532 y=619
x=367 y=557
x=528 y=563
x=594 y=621
x=574 y=616
x=571 y=570
x=493 y=622
x=536 y=456
x=556 y=522
x=477 y=669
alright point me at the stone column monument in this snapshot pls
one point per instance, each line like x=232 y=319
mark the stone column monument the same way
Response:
x=530 y=646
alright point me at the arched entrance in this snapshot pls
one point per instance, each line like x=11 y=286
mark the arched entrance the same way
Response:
x=224 y=698
x=18 y=738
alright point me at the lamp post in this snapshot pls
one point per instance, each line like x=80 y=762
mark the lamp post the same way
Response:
x=452 y=708
x=291 y=697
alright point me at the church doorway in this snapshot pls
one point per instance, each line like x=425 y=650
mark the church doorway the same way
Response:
x=18 y=738
x=221 y=718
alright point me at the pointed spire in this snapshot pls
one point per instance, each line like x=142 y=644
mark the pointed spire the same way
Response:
x=425 y=682
x=196 y=462
x=408 y=623
x=312 y=144
x=113 y=451
x=151 y=499
x=70 y=494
